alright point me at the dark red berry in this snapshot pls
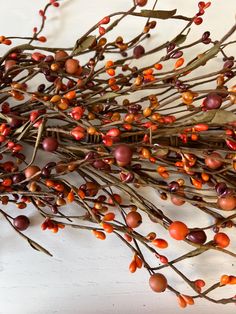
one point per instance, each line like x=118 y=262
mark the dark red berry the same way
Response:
x=138 y=52
x=213 y=101
x=50 y=144
x=21 y=222
x=197 y=236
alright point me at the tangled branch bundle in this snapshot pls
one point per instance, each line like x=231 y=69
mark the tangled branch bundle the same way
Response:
x=177 y=137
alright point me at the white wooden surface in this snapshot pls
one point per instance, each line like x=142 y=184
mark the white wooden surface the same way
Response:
x=88 y=276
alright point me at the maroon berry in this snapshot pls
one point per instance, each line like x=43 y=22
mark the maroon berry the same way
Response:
x=18 y=178
x=21 y=222
x=138 y=52
x=50 y=144
x=123 y=155
x=197 y=236
x=213 y=101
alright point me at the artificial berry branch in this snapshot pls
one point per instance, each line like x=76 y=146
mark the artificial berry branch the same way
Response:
x=178 y=138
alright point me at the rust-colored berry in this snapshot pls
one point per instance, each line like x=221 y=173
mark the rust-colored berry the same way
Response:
x=158 y=282
x=133 y=219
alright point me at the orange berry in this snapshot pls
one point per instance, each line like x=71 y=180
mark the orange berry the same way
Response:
x=55 y=229
x=42 y=39
x=107 y=227
x=147 y=112
x=160 y=243
x=99 y=234
x=7 y=42
x=161 y=169
x=197 y=183
x=182 y=303
x=109 y=64
x=128 y=237
x=81 y=194
x=70 y=95
x=165 y=175
x=224 y=280
x=179 y=63
x=133 y=266
x=178 y=230
x=146 y=153
x=222 y=240
x=138 y=261
x=205 y=176
x=189 y=300
x=2 y=38
x=109 y=217
x=70 y=196
x=111 y=72
x=232 y=280
x=148 y=72
x=61 y=226
x=194 y=137
x=7 y=182
x=158 y=66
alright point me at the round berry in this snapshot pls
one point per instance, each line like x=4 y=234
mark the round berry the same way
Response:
x=133 y=219
x=227 y=203
x=50 y=144
x=222 y=240
x=21 y=222
x=123 y=155
x=213 y=101
x=158 y=282
x=197 y=236
x=138 y=52
x=178 y=230
x=31 y=171
x=212 y=161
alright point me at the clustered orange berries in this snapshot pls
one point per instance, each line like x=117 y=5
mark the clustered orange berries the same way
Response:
x=52 y=225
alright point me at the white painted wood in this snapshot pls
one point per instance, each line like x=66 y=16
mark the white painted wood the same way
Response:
x=87 y=276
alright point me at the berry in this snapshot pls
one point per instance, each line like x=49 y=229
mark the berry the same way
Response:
x=158 y=282
x=50 y=144
x=21 y=222
x=138 y=52
x=133 y=219
x=178 y=230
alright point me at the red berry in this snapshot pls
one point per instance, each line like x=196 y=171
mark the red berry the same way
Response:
x=198 y=20
x=141 y=3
